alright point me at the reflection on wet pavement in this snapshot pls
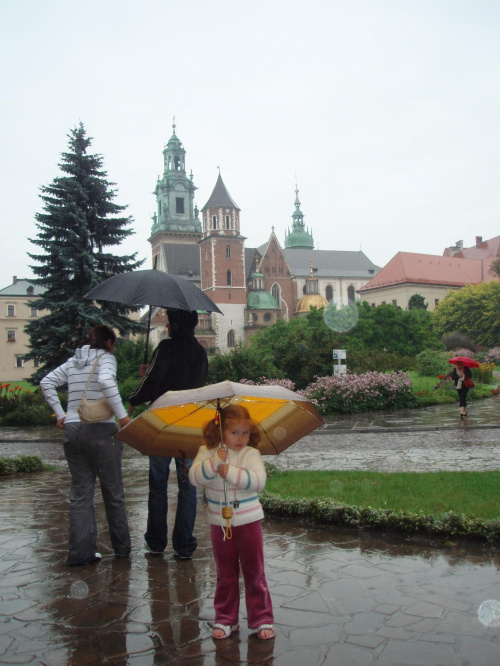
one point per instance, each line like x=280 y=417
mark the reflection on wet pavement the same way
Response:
x=340 y=596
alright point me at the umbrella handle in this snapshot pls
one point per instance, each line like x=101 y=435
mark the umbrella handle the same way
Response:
x=147 y=335
x=149 y=320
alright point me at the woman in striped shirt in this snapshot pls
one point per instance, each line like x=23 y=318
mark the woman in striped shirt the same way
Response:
x=90 y=448
x=232 y=476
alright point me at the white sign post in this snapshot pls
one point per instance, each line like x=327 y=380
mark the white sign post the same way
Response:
x=340 y=368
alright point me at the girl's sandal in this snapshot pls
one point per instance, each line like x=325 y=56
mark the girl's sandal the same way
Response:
x=227 y=630
x=266 y=627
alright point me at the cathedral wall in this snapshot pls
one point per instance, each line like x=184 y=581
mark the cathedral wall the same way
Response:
x=338 y=285
x=233 y=320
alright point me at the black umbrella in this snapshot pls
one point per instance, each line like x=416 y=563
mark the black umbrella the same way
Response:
x=154 y=288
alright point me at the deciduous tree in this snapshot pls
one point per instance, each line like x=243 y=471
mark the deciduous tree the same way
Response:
x=474 y=311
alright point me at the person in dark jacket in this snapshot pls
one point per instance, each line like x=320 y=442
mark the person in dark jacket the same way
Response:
x=458 y=375
x=178 y=363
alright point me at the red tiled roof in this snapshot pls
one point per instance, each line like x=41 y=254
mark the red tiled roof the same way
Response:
x=484 y=250
x=410 y=267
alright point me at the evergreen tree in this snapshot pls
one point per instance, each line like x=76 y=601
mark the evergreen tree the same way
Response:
x=79 y=223
x=417 y=302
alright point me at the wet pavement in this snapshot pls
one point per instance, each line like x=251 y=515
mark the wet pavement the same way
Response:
x=341 y=597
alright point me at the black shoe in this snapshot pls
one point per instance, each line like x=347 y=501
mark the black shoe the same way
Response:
x=178 y=556
x=152 y=551
x=93 y=560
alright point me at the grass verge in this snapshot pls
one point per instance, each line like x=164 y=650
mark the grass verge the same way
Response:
x=462 y=504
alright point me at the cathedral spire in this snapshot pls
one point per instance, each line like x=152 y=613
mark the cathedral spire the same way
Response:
x=298 y=237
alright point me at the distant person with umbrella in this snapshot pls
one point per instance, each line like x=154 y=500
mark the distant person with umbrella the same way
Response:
x=178 y=363
x=462 y=378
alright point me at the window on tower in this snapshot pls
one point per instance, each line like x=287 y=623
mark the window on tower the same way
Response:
x=214 y=221
x=231 y=341
x=228 y=278
x=228 y=222
x=329 y=293
x=177 y=164
x=179 y=205
x=228 y=252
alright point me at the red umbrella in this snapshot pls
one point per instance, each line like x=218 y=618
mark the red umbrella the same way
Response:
x=464 y=360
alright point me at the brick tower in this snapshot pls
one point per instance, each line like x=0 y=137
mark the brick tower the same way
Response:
x=222 y=265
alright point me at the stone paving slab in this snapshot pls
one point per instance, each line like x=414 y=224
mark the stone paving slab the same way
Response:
x=341 y=597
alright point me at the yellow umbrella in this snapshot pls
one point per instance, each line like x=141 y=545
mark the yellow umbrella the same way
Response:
x=172 y=425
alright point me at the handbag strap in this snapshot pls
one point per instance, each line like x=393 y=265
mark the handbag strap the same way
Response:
x=90 y=377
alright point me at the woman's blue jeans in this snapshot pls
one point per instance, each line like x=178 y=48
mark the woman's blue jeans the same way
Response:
x=183 y=541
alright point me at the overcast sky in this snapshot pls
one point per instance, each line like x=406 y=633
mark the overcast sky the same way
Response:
x=386 y=111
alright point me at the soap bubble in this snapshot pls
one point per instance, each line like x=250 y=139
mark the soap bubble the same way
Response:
x=79 y=589
x=489 y=613
x=342 y=320
x=336 y=487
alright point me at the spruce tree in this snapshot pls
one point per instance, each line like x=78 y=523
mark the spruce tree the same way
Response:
x=79 y=223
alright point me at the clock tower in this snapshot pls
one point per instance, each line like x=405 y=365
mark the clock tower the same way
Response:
x=176 y=218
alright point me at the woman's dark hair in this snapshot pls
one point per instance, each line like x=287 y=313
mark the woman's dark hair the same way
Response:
x=99 y=336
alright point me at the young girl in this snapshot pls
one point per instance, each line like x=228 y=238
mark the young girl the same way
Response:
x=240 y=466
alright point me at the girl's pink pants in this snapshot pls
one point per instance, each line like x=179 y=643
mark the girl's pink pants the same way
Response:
x=245 y=548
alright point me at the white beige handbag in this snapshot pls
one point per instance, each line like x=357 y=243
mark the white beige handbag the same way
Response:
x=97 y=410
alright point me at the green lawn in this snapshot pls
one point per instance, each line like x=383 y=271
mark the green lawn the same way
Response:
x=475 y=494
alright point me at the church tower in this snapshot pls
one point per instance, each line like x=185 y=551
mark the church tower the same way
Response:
x=176 y=218
x=299 y=237
x=222 y=264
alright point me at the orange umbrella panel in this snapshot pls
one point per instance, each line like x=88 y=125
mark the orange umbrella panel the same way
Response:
x=176 y=429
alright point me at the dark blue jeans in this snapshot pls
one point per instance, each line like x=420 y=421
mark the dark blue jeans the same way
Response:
x=183 y=540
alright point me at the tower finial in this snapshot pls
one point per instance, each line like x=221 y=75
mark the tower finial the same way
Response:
x=173 y=124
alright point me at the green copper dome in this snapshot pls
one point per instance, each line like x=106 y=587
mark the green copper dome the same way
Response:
x=261 y=300
x=299 y=239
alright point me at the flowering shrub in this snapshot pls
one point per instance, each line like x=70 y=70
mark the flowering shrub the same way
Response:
x=462 y=352
x=9 y=397
x=264 y=381
x=352 y=394
x=444 y=381
x=484 y=373
x=23 y=408
x=493 y=356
